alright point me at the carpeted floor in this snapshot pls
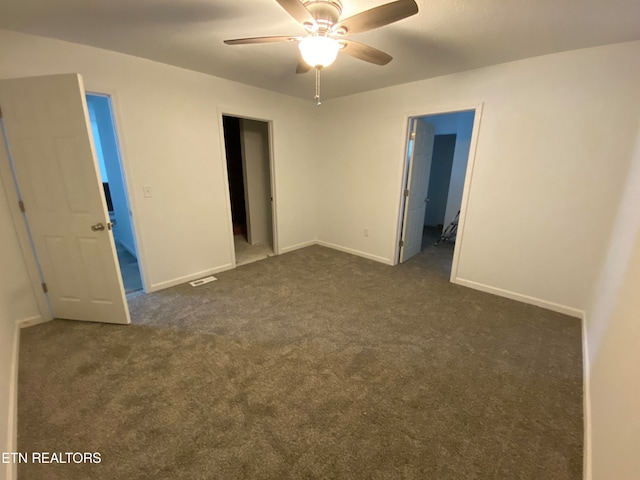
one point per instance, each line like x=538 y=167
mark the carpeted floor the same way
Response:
x=246 y=253
x=313 y=364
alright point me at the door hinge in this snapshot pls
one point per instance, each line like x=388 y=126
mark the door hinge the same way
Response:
x=406 y=193
x=413 y=135
x=21 y=205
x=44 y=288
x=402 y=243
x=0 y=112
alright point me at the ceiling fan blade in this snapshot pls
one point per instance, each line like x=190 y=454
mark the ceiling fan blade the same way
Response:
x=246 y=41
x=365 y=52
x=297 y=10
x=377 y=17
x=302 y=67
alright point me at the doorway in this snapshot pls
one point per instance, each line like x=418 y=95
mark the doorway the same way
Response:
x=107 y=148
x=248 y=153
x=438 y=151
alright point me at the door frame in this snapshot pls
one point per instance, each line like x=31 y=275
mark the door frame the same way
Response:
x=126 y=174
x=238 y=113
x=477 y=109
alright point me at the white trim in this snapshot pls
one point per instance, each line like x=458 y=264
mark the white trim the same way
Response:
x=31 y=321
x=404 y=178
x=477 y=109
x=298 y=246
x=340 y=248
x=586 y=402
x=464 y=204
x=556 y=307
x=225 y=182
x=275 y=239
x=229 y=266
x=188 y=278
x=127 y=179
x=260 y=117
x=444 y=109
x=12 y=434
x=376 y=258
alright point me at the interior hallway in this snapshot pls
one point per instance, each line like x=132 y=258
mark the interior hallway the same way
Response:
x=129 y=269
x=441 y=255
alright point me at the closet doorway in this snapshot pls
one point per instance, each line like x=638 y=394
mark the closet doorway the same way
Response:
x=248 y=152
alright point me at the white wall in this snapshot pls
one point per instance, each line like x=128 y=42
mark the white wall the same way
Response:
x=556 y=138
x=613 y=339
x=254 y=137
x=170 y=134
x=553 y=149
x=16 y=303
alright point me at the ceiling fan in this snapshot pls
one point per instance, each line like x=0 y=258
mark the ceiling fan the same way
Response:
x=326 y=32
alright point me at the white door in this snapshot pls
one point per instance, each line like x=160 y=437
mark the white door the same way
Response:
x=48 y=137
x=423 y=134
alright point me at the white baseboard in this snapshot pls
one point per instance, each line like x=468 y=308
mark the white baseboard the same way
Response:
x=12 y=434
x=586 y=401
x=297 y=246
x=334 y=246
x=556 y=307
x=376 y=258
x=28 y=322
x=188 y=278
x=586 y=367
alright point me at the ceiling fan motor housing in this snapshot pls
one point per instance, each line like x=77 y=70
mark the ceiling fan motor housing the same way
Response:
x=325 y=12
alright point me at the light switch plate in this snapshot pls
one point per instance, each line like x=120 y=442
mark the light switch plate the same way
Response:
x=147 y=191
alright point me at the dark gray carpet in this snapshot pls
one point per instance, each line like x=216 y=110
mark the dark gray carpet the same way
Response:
x=313 y=364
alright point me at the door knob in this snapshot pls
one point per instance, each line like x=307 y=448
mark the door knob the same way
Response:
x=98 y=227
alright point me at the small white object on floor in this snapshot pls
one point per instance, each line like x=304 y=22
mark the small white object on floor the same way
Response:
x=202 y=281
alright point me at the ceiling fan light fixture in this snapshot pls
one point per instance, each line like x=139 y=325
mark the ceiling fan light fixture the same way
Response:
x=319 y=50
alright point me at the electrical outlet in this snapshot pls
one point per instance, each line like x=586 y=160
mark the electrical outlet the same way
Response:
x=147 y=191
x=366 y=232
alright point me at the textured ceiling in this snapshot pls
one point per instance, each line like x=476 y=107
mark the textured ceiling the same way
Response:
x=446 y=36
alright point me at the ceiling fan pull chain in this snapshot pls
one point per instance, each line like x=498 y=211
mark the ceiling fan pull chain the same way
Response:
x=317 y=97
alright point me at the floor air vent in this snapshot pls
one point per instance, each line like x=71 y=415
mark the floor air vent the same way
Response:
x=202 y=281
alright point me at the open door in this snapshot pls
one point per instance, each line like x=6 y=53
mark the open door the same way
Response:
x=422 y=134
x=254 y=140
x=53 y=159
